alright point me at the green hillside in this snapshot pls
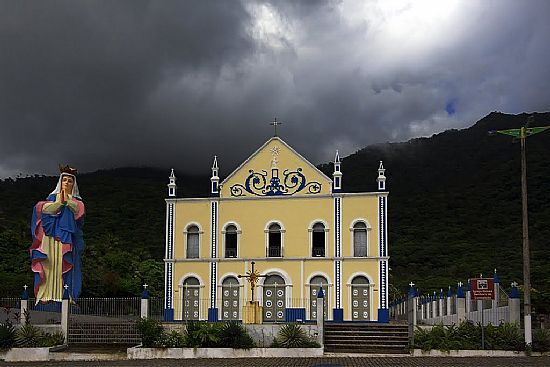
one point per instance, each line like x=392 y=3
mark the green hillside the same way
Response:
x=455 y=212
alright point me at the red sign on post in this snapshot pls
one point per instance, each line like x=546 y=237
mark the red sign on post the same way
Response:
x=482 y=289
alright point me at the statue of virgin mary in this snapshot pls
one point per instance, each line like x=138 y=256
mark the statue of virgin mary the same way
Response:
x=58 y=243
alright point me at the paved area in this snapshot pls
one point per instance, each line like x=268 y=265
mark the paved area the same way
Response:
x=308 y=362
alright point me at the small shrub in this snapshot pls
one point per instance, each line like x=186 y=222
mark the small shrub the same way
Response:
x=173 y=339
x=28 y=336
x=7 y=335
x=202 y=334
x=151 y=332
x=234 y=335
x=541 y=340
x=292 y=336
x=467 y=335
x=50 y=340
x=509 y=337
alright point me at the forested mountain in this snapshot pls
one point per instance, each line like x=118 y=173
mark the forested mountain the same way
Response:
x=454 y=212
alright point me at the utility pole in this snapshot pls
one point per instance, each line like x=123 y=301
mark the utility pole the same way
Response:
x=522 y=133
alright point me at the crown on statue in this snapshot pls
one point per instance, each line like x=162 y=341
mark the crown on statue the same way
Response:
x=67 y=169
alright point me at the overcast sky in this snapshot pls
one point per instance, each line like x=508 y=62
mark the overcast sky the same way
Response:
x=101 y=84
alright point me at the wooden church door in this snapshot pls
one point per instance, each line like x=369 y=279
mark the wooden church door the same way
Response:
x=360 y=302
x=274 y=298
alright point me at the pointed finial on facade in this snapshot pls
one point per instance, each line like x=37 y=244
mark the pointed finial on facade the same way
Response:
x=412 y=293
x=381 y=178
x=172 y=184
x=495 y=277
x=337 y=174
x=65 y=292
x=460 y=291
x=215 y=179
x=145 y=293
x=515 y=292
x=25 y=294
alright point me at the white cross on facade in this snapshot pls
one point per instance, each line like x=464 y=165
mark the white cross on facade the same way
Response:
x=66 y=286
x=145 y=286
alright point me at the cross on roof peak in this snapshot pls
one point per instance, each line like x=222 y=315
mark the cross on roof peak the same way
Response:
x=145 y=285
x=275 y=123
x=411 y=284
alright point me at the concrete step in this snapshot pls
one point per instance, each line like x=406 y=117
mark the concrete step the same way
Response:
x=332 y=341
x=366 y=351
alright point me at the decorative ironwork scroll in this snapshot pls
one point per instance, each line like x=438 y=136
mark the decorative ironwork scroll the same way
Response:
x=259 y=184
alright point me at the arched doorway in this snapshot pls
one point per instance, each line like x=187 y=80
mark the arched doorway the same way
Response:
x=360 y=299
x=191 y=299
x=230 y=299
x=274 y=296
x=314 y=285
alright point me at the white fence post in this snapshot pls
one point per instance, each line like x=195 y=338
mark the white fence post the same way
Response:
x=514 y=304
x=496 y=281
x=24 y=305
x=144 y=311
x=440 y=301
x=320 y=315
x=460 y=303
x=65 y=313
x=449 y=300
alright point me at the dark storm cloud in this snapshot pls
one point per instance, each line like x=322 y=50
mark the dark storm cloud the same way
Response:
x=171 y=83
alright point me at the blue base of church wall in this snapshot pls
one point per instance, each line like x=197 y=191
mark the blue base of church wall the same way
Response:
x=383 y=315
x=338 y=314
x=295 y=315
x=213 y=314
x=49 y=307
x=168 y=314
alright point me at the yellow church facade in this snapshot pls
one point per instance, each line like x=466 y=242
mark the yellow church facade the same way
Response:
x=278 y=213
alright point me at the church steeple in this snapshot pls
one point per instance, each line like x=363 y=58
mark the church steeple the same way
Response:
x=337 y=174
x=172 y=184
x=381 y=178
x=215 y=179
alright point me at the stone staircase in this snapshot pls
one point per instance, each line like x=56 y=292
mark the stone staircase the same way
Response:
x=366 y=338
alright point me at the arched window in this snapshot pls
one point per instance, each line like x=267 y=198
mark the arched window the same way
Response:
x=274 y=241
x=318 y=240
x=192 y=242
x=360 y=239
x=191 y=288
x=231 y=241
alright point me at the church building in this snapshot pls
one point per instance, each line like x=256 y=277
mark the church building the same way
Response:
x=281 y=215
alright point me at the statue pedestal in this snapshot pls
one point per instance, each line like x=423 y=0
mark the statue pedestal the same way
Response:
x=252 y=313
